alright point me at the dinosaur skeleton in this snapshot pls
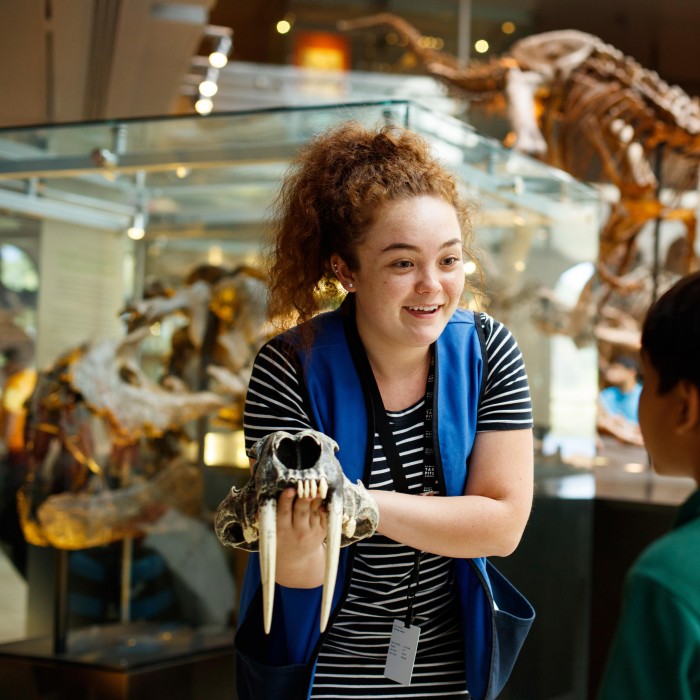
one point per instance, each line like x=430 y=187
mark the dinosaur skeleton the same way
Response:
x=247 y=517
x=109 y=445
x=581 y=105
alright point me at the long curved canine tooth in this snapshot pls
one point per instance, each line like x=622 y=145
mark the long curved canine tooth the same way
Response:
x=307 y=488
x=314 y=487
x=323 y=487
x=333 y=532
x=268 y=558
x=300 y=489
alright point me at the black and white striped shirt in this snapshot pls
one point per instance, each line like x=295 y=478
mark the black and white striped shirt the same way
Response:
x=351 y=661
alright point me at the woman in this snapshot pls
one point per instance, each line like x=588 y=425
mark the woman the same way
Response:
x=374 y=212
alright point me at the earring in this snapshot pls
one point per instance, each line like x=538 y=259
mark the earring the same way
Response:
x=349 y=285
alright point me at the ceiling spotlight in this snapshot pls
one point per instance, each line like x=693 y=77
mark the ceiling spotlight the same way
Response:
x=104 y=158
x=481 y=46
x=204 y=105
x=219 y=57
x=283 y=26
x=208 y=88
x=137 y=229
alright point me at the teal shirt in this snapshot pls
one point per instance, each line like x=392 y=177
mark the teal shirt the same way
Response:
x=656 y=650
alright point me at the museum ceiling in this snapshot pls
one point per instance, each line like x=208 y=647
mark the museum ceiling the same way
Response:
x=104 y=59
x=95 y=59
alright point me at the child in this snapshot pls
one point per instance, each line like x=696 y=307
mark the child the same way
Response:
x=618 y=402
x=656 y=651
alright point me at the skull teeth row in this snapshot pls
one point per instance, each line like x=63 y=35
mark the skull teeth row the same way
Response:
x=310 y=488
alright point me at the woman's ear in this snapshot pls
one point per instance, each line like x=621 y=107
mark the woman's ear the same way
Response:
x=688 y=394
x=343 y=272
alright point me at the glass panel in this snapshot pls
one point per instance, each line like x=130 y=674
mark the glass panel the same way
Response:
x=203 y=187
x=19 y=281
x=536 y=239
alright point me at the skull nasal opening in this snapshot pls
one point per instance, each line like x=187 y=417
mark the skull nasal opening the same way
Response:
x=298 y=454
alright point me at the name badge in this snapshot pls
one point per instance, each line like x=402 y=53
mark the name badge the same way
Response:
x=402 y=653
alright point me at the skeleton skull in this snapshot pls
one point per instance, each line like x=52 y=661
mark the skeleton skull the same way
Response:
x=247 y=517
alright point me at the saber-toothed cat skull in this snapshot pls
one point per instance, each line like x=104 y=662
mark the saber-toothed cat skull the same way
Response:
x=247 y=517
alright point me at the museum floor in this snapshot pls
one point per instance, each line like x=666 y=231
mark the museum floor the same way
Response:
x=604 y=517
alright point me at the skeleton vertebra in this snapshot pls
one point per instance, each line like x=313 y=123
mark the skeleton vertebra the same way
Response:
x=247 y=517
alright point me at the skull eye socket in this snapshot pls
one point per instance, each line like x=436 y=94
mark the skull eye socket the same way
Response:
x=298 y=454
x=309 y=452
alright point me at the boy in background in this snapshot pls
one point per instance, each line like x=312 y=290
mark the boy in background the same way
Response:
x=618 y=402
x=656 y=651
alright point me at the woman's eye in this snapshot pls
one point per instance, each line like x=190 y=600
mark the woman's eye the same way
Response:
x=403 y=264
x=451 y=260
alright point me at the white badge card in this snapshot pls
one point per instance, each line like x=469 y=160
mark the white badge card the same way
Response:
x=403 y=646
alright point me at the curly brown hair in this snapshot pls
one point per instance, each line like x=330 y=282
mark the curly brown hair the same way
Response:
x=330 y=197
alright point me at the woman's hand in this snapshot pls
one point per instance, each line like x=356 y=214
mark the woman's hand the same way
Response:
x=301 y=531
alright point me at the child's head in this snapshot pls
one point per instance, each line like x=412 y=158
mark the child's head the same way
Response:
x=669 y=407
x=671 y=334
x=622 y=372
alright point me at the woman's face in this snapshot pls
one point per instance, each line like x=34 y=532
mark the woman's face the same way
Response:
x=410 y=274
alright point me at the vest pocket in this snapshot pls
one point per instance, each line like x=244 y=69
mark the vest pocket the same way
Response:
x=512 y=617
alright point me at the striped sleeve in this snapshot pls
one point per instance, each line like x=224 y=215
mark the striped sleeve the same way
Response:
x=506 y=403
x=275 y=394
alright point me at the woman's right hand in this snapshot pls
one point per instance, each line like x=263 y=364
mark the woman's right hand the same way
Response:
x=301 y=532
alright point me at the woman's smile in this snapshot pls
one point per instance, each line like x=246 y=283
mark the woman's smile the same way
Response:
x=423 y=310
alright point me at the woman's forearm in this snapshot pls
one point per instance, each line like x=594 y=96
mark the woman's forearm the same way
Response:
x=459 y=526
x=487 y=521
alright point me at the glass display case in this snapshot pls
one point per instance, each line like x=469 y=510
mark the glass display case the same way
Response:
x=200 y=189
x=112 y=212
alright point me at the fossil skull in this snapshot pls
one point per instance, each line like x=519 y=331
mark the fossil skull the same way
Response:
x=247 y=517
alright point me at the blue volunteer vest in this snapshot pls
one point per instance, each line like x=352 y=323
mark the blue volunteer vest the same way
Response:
x=282 y=663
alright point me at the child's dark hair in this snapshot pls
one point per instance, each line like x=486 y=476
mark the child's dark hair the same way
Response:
x=671 y=334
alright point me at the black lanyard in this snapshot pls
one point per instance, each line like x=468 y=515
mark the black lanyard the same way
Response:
x=391 y=452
